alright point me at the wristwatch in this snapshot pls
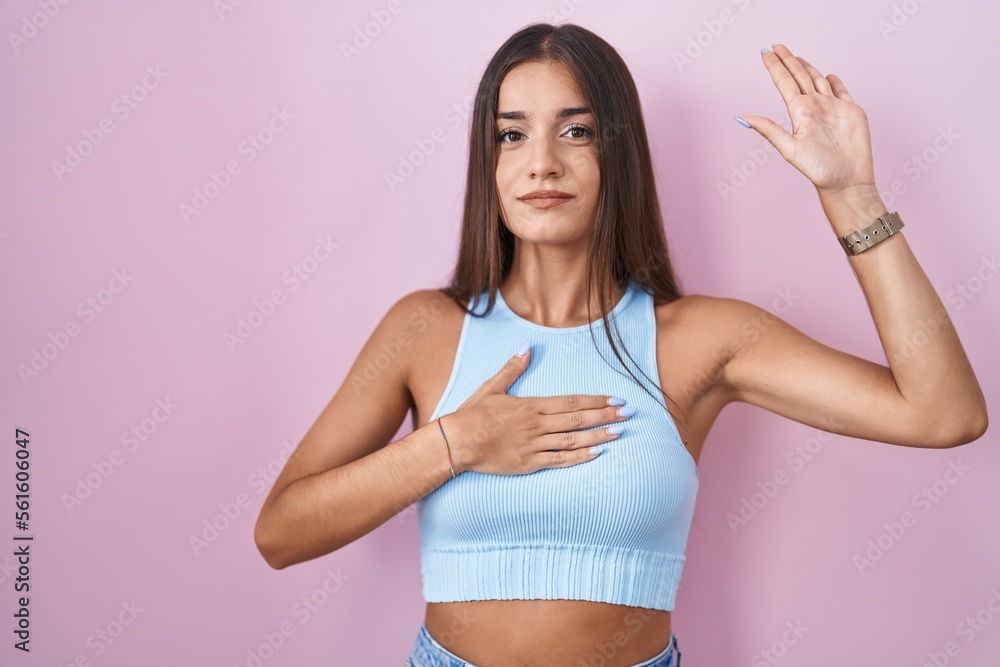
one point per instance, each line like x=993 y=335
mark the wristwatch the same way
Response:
x=881 y=229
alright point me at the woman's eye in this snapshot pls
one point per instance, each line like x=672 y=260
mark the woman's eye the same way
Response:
x=507 y=133
x=576 y=132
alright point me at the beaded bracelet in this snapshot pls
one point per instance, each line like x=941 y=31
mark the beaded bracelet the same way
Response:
x=450 y=463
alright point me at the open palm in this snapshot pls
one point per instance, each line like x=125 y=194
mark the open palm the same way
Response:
x=829 y=142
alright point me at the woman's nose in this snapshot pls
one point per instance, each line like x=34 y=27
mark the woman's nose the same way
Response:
x=544 y=157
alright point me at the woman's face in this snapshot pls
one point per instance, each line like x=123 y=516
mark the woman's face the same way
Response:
x=547 y=141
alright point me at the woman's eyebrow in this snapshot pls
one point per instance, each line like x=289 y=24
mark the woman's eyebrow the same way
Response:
x=562 y=113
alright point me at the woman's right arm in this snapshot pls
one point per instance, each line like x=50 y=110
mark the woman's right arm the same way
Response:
x=343 y=480
x=300 y=524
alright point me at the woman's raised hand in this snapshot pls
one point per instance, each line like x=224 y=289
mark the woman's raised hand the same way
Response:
x=492 y=432
x=830 y=141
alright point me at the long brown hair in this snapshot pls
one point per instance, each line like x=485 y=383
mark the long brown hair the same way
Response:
x=628 y=239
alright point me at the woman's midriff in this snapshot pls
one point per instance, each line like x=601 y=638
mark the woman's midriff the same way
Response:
x=543 y=633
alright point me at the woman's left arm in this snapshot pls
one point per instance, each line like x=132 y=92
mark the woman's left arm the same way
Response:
x=928 y=396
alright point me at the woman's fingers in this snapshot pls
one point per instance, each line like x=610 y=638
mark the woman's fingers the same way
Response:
x=791 y=74
x=551 y=405
x=508 y=373
x=571 y=440
x=586 y=446
x=783 y=80
x=564 y=422
x=574 y=430
x=819 y=81
x=792 y=66
x=839 y=89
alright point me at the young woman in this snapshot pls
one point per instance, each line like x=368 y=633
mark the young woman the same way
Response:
x=562 y=386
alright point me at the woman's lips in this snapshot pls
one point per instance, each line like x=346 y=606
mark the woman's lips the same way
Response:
x=546 y=202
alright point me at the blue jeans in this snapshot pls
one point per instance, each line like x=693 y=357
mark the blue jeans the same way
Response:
x=428 y=653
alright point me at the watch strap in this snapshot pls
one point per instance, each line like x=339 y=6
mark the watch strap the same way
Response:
x=878 y=231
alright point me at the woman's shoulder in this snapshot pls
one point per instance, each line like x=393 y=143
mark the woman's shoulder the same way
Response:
x=706 y=306
x=701 y=333
x=428 y=327
x=709 y=318
x=690 y=306
x=424 y=309
x=430 y=301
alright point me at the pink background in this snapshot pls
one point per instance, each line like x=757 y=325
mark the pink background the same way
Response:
x=162 y=335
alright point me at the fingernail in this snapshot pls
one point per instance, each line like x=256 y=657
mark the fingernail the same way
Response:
x=597 y=449
x=616 y=429
x=764 y=50
x=741 y=121
x=614 y=400
x=626 y=412
x=523 y=350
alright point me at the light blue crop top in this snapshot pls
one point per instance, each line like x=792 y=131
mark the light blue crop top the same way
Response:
x=613 y=529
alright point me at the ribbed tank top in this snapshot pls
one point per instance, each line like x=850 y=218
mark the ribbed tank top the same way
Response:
x=613 y=529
